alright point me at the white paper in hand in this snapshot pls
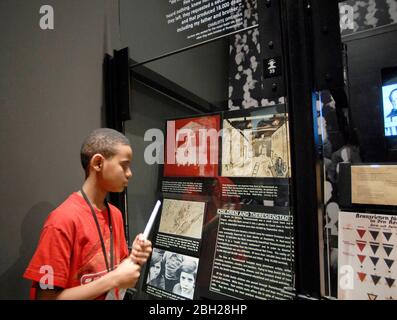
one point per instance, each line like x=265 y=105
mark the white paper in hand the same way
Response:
x=149 y=224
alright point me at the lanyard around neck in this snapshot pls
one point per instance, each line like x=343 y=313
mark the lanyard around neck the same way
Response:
x=110 y=265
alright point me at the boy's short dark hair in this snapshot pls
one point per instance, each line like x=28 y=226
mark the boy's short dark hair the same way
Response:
x=189 y=266
x=102 y=141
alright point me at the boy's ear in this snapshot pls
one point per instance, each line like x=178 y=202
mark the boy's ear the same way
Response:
x=97 y=162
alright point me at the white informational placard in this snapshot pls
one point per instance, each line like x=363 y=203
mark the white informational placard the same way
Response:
x=374 y=184
x=367 y=254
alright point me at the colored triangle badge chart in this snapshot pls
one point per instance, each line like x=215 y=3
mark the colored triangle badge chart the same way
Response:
x=374 y=234
x=361 y=232
x=374 y=260
x=361 y=276
x=375 y=278
x=390 y=282
x=387 y=235
x=374 y=246
x=372 y=296
x=361 y=258
x=388 y=248
x=361 y=245
x=389 y=262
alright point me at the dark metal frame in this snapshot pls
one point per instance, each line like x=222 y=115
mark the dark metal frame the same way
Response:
x=117 y=103
x=306 y=183
x=313 y=61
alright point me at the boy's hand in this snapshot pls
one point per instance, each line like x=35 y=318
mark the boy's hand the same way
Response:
x=126 y=275
x=141 y=250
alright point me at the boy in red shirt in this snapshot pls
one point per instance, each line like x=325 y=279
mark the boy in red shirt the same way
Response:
x=82 y=252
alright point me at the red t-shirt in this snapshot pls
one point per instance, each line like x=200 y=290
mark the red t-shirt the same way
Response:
x=70 y=245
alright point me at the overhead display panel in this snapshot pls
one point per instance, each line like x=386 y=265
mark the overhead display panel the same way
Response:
x=178 y=24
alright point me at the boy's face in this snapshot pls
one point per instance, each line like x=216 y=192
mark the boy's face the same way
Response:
x=187 y=282
x=172 y=264
x=116 y=170
x=155 y=270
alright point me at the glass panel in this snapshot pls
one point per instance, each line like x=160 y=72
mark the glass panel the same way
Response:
x=226 y=211
x=150 y=110
x=199 y=75
x=359 y=148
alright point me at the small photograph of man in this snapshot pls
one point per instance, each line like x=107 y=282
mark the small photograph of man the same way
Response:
x=390 y=109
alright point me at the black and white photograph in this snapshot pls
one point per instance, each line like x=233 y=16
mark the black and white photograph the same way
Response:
x=173 y=272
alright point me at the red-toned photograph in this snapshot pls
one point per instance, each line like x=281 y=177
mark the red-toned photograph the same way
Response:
x=192 y=147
